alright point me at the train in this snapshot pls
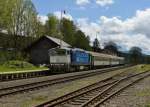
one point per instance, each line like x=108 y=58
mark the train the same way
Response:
x=75 y=59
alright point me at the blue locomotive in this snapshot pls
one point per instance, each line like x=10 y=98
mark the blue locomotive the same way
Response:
x=68 y=59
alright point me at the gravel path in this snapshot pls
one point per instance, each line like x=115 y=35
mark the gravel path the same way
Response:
x=137 y=95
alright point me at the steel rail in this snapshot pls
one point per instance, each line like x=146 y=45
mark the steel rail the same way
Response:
x=79 y=92
x=32 y=86
x=105 y=94
x=94 y=101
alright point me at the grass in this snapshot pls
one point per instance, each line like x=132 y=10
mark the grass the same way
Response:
x=14 y=66
x=142 y=67
x=34 y=100
x=147 y=105
x=144 y=92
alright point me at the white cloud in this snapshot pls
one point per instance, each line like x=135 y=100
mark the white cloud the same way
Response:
x=82 y=2
x=134 y=31
x=67 y=16
x=42 y=18
x=104 y=2
x=140 y=23
x=98 y=2
x=89 y=28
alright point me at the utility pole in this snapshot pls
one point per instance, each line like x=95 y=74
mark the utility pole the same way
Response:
x=61 y=17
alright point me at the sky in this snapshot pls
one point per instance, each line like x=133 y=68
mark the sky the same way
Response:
x=125 y=22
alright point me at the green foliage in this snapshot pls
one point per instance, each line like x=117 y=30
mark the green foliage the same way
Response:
x=68 y=30
x=147 y=105
x=5 y=12
x=51 y=26
x=19 y=18
x=135 y=55
x=6 y=55
x=17 y=64
x=81 y=41
x=40 y=29
x=146 y=59
x=96 y=45
x=111 y=47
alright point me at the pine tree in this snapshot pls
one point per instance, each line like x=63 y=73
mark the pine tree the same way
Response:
x=96 y=43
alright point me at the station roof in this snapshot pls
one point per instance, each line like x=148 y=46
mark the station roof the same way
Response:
x=51 y=40
x=58 y=41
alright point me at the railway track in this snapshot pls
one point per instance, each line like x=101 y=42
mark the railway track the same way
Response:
x=96 y=94
x=37 y=85
x=4 y=77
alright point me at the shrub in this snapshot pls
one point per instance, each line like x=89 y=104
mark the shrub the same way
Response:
x=18 y=64
x=6 y=55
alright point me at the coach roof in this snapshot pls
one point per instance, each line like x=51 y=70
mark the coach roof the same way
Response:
x=104 y=55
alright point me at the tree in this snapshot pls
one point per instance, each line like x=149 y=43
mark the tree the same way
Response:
x=18 y=16
x=81 y=41
x=5 y=12
x=19 y=19
x=68 y=30
x=88 y=43
x=96 y=44
x=24 y=18
x=51 y=26
x=111 y=47
x=148 y=59
x=135 y=55
x=40 y=29
x=1 y=13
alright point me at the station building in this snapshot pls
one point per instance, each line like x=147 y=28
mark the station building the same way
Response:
x=38 y=50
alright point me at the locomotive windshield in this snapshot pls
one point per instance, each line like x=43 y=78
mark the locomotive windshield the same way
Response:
x=59 y=52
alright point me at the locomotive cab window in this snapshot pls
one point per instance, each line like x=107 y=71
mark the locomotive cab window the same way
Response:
x=59 y=52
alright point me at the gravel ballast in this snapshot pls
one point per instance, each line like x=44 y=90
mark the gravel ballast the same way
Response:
x=44 y=78
x=33 y=98
x=137 y=95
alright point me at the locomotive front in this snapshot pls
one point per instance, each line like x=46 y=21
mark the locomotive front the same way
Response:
x=59 y=59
